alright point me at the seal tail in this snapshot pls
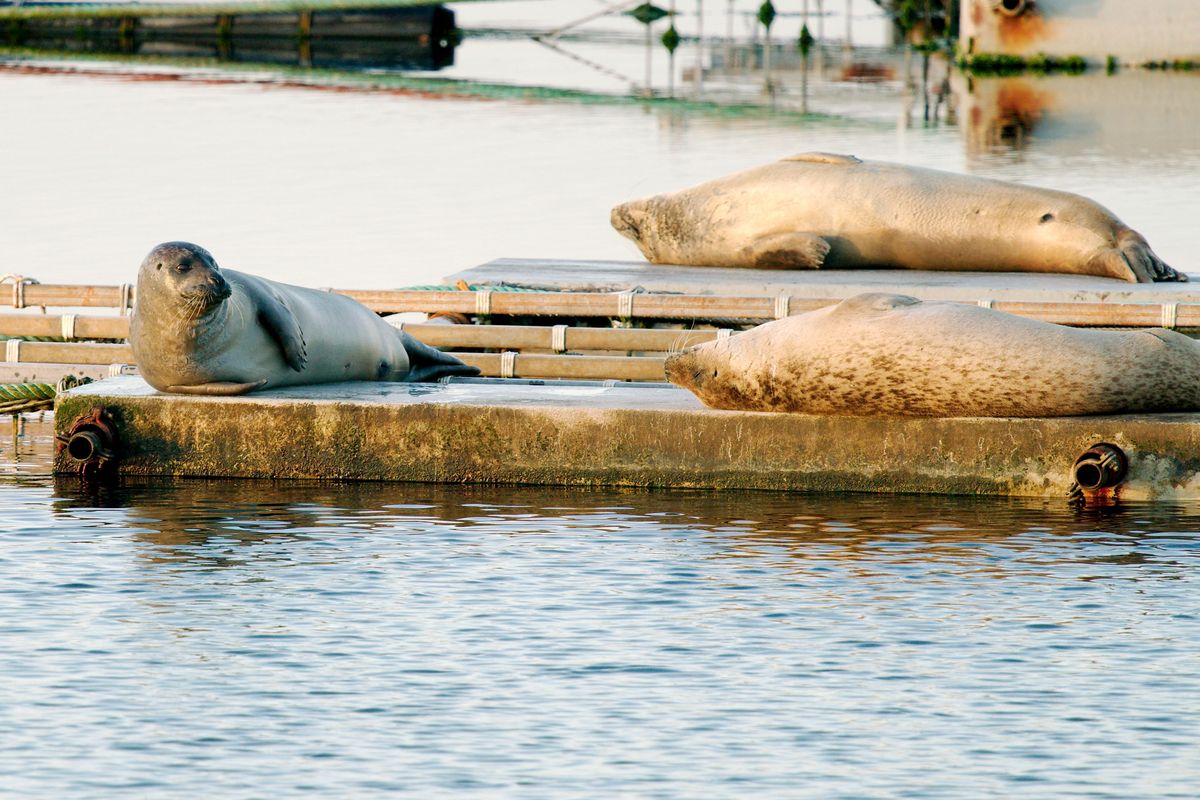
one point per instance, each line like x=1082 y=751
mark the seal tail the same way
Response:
x=427 y=363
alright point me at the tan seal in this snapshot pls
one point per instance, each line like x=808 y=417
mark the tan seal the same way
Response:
x=892 y=355
x=198 y=329
x=820 y=210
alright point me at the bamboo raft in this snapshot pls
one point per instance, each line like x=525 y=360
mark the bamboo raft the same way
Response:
x=590 y=335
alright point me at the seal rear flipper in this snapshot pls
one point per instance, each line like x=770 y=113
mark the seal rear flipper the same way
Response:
x=218 y=388
x=427 y=363
x=1147 y=266
x=279 y=321
x=788 y=251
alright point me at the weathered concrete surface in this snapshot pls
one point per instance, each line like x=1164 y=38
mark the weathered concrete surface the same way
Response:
x=1148 y=30
x=614 y=276
x=621 y=436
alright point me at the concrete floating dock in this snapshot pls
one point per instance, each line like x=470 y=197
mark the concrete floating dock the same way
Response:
x=601 y=434
x=615 y=276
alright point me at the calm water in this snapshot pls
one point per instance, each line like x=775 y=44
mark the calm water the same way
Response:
x=239 y=639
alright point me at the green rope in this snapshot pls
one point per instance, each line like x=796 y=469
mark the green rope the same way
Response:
x=6 y=336
x=19 y=398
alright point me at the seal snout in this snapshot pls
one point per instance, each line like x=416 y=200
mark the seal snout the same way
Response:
x=218 y=287
x=686 y=369
x=627 y=219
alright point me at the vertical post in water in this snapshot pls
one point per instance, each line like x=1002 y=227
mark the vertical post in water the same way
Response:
x=304 y=38
x=671 y=45
x=698 y=76
x=820 y=37
x=729 y=36
x=224 y=36
x=849 y=24
x=647 y=91
x=766 y=15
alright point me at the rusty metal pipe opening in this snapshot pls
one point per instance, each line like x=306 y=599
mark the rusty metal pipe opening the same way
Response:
x=92 y=442
x=1102 y=466
x=1011 y=8
x=87 y=445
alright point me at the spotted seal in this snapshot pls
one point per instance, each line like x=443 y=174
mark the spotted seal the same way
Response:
x=199 y=329
x=818 y=210
x=892 y=355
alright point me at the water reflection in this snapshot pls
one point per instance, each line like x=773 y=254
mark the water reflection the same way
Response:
x=1135 y=114
x=420 y=38
x=220 y=523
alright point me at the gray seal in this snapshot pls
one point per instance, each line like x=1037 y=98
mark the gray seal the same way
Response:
x=199 y=329
x=818 y=210
x=892 y=355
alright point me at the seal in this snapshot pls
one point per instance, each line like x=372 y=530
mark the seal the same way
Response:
x=818 y=210
x=892 y=355
x=199 y=329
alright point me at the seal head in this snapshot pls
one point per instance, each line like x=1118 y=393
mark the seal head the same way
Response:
x=188 y=272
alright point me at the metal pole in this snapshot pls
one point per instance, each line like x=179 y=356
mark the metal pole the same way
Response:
x=671 y=57
x=849 y=23
x=648 y=90
x=699 y=76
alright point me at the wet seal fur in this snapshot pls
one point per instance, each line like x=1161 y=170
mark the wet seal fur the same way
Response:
x=819 y=210
x=892 y=355
x=198 y=329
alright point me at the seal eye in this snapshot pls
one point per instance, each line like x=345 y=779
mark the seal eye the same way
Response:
x=183 y=266
x=1046 y=217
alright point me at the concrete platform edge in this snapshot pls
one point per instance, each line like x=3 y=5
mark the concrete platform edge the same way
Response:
x=631 y=444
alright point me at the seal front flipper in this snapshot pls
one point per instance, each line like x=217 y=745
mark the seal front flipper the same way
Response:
x=279 y=321
x=217 y=388
x=427 y=363
x=787 y=251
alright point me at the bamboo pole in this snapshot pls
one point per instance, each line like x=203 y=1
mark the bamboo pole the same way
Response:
x=527 y=337
x=17 y=351
x=627 y=368
x=80 y=327
x=50 y=294
x=627 y=305
x=492 y=365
